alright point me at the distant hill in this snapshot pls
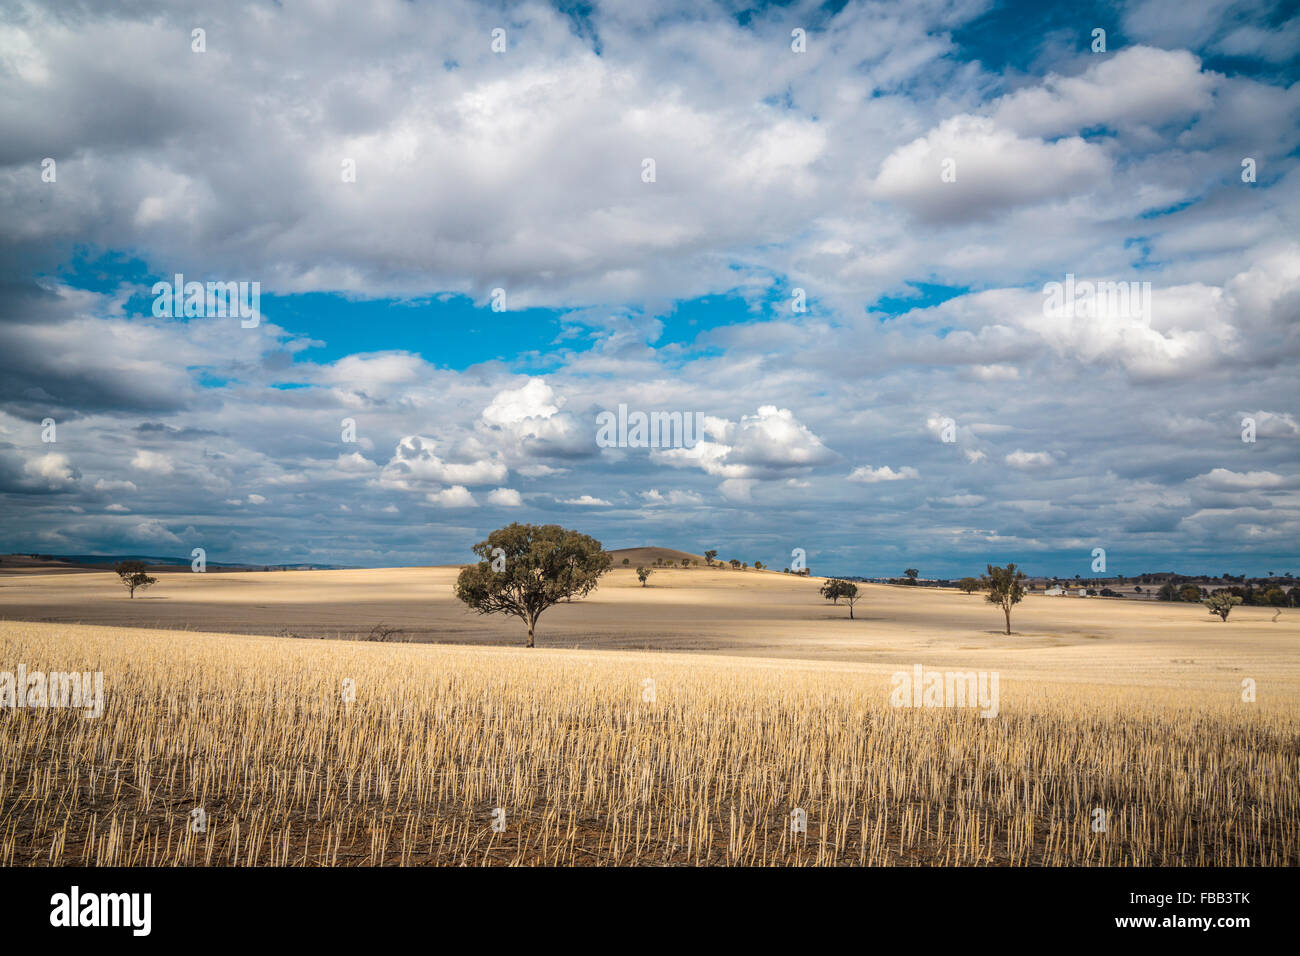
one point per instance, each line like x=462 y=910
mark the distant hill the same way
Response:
x=647 y=555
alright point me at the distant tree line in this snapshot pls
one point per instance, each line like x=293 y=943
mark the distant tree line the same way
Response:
x=1251 y=596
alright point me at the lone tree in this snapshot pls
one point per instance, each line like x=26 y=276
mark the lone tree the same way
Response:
x=642 y=574
x=835 y=589
x=911 y=574
x=831 y=590
x=544 y=564
x=709 y=556
x=969 y=585
x=1004 y=588
x=849 y=591
x=1222 y=603
x=133 y=575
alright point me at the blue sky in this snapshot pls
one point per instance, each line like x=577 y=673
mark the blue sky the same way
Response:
x=914 y=177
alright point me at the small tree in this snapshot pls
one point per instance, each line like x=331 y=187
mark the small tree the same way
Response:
x=735 y=563
x=627 y=560
x=969 y=585
x=642 y=574
x=686 y=562
x=544 y=564
x=1222 y=603
x=911 y=574
x=758 y=565
x=831 y=590
x=1004 y=587
x=382 y=632
x=133 y=575
x=850 y=595
x=836 y=589
x=1190 y=593
x=709 y=556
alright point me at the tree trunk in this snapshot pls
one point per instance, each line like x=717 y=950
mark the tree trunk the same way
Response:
x=850 y=612
x=1007 y=612
x=530 y=635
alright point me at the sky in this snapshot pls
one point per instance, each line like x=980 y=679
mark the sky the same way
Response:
x=840 y=265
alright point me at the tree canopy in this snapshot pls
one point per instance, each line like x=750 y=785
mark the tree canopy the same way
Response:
x=543 y=564
x=1005 y=588
x=134 y=575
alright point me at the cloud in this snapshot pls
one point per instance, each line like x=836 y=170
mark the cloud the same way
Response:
x=962 y=501
x=52 y=470
x=513 y=406
x=1223 y=479
x=586 y=501
x=991 y=170
x=1136 y=87
x=153 y=531
x=738 y=489
x=414 y=463
x=355 y=464
x=505 y=498
x=771 y=444
x=1274 y=424
x=374 y=372
x=1026 y=460
x=675 y=497
x=457 y=496
x=104 y=486
x=868 y=475
x=153 y=462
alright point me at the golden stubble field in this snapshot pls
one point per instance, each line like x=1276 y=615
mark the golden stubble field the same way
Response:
x=736 y=613
x=608 y=757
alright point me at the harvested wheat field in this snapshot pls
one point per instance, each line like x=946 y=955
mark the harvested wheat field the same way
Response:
x=591 y=757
